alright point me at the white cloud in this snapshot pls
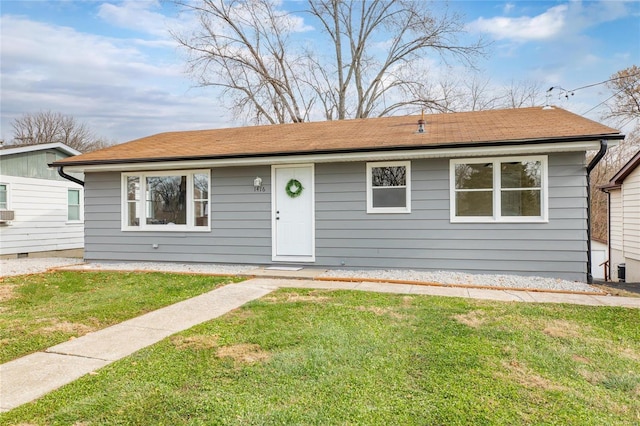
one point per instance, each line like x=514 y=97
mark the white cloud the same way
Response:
x=136 y=15
x=543 y=26
x=567 y=19
x=119 y=88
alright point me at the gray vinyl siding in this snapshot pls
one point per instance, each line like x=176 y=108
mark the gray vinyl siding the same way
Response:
x=346 y=235
x=240 y=223
x=426 y=239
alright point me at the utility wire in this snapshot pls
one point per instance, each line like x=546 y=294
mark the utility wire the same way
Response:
x=627 y=122
x=603 y=82
x=603 y=102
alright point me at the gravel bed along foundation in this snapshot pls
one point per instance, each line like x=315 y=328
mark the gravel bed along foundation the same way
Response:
x=34 y=265
x=9 y=267
x=452 y=278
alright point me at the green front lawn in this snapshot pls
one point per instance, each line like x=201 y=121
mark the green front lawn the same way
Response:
x=339 y=357
x=39 y=311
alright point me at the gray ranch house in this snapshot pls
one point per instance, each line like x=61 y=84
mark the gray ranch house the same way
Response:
x=502 y=191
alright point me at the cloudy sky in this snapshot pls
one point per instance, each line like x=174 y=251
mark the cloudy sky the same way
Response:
x=113 y=65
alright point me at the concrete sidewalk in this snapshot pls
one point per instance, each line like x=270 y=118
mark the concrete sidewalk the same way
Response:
x=28 y=378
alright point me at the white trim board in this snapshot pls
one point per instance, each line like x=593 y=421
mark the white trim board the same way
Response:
x=451 y=152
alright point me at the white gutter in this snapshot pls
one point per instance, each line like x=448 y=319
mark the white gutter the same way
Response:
x=450 y=152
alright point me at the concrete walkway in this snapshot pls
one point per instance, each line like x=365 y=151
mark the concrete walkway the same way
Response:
x=28 y=378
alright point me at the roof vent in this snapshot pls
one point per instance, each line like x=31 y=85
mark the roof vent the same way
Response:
x=421 y=123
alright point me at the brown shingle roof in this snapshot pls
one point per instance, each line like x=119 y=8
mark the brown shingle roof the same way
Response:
x=466 y=128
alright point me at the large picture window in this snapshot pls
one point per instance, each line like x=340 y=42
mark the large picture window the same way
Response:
x=503 y=189
x=389 y=187
x=176 y=200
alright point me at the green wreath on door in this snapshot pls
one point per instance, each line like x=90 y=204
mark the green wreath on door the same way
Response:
x=294 y=188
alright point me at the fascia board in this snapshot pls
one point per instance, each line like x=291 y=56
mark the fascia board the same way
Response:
x=452 y=152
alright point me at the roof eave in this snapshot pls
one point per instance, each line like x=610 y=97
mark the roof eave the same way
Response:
x=626 y=170
x=39 y=147
x=481 y=144
x=609 y=187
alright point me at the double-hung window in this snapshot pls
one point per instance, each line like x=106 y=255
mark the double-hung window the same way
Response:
x=510 y=189
x=168 y=200
x=73 y=205
x=389 y=187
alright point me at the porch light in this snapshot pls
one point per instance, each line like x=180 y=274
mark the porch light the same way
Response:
x=257 y=183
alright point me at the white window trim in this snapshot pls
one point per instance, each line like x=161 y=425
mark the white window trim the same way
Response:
x=370 y=208
x=80 y=206
x=189 y=227
x=496 y=191
x=8 y=185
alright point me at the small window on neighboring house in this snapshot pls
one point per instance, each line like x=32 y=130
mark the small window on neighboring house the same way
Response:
x=4 y=199
x=499 y=190
x=73 y=205
x=389 y=187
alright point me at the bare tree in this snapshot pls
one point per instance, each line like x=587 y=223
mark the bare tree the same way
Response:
x=247 y=48
x=48 y=127
x=521 y=94
x=470 y=92
x=480 y=96
x=625 y=101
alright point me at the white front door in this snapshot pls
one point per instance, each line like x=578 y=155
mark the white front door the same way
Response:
x=293 y=227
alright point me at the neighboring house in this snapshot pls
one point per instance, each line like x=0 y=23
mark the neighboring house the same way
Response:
x=501 y=191
x=41 y=213
x=624 y=221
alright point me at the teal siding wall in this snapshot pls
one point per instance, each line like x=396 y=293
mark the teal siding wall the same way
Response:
x=33 y=165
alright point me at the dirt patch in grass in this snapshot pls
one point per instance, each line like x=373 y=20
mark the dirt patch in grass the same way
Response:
x=593 y=377
x=6 y=292
x=195 y=342
x=296 y=297
x=563 y=329
x=66 y=327
x=473 y=319
x=244 y=353
x=630 y=353
x=241 y=315
x=381 y=311
x=526 y=377
x=581 y=359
